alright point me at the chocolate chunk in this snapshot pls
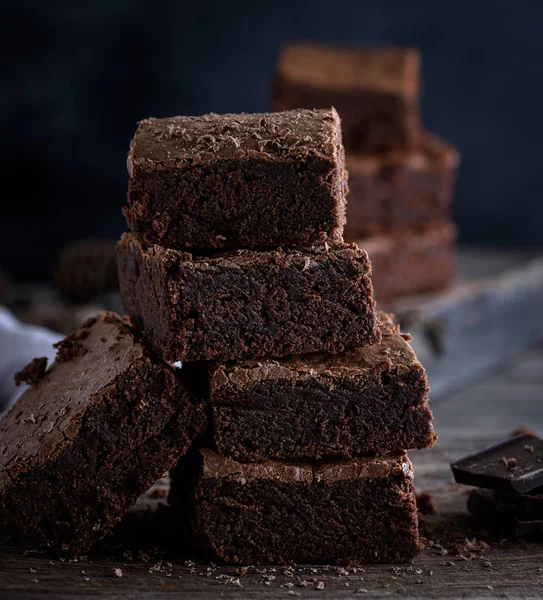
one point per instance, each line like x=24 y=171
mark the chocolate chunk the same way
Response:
x=515 y=465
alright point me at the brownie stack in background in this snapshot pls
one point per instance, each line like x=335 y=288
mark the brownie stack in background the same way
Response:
x=400 y=177
x=236 y=267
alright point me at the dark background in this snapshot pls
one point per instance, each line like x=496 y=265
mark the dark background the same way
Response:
x=78 y=75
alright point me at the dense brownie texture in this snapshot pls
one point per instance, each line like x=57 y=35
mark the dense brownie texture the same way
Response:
x=237 y=181
x=361 y=510
x=400 y=190
x=406 y=264
x=375 y=91
x=92 y=434
x=246 y=303
x=365 y=400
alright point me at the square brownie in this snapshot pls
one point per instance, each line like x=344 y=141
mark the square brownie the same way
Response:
x=360 y=510
x=375 y=91
x=400 y=190
x=237 y=181
x=366 y=400
x=410 y=263
x=91 y=434
x=246 y=303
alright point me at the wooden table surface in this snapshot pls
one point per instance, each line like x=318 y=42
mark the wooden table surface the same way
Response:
x=460 y=560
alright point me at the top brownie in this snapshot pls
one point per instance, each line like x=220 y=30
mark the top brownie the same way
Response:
x=238 y=180
x=375 y=91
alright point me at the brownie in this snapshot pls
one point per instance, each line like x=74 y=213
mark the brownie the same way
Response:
x=374 y=90
x=92 y=434
x=410 y=263
x=237 y=181
x=245 y=304
x=400 y=190
x=361 y=510
x=86 y=269
x=371 y=399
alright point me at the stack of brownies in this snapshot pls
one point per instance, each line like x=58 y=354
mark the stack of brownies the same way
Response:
x=400 y=177
x=237 y=268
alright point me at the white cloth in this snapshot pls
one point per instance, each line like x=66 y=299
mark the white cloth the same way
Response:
x=19 y=344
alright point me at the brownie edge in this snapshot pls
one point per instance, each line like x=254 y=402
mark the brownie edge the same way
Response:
x=245 y=303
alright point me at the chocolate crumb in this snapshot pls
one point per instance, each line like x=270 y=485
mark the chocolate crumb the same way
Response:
x=529 y=448
x=523 y=431
x=33 y=372
x=510 y=463
x=425 y=504
x=159 y=493
x=69 y=349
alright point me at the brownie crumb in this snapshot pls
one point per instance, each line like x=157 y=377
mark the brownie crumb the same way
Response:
x=529 y=448
x=523 y=431
x=425 y=504
x=33 y=372
x=68 y=349
x=510 y=463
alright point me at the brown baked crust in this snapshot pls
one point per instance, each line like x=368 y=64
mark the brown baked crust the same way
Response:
x=237 y=181
x=244 y=304
x=400 y=191
x=67 y=446
x=362 y=510
x=375 y=91
x=365 y=400
x=410 y=263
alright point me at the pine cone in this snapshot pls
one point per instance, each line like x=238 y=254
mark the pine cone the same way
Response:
x=86 y=269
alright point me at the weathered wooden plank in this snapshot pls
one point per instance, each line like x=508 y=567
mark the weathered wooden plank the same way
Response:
x=477 y=325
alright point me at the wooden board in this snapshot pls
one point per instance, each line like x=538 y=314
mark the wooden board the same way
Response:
x=495 y=310
x=449 y=567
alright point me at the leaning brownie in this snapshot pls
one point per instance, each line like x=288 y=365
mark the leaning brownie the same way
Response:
x=91 y=434
x=410 y=263
x=375 y=91
x=237 y=181
x=371 y=399
x=246 y=303
x=361 y=510
x=400 y=190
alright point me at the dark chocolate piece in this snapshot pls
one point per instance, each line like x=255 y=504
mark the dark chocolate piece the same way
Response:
x=515 y=465
x=93 y=434
x=410 y=263
x=361 y=510
x=400 y=191
x=238 y=181
x=527 y=506
x=374 y=90
x=246 y=303
x=488 y=507
x=364 y=400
